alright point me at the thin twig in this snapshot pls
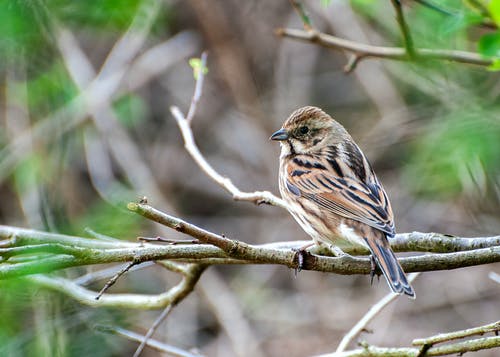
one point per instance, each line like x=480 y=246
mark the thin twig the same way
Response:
x=405 y=30
x=102 y=274
x=100 y=236
x=115 y=277
x=450 y=336
x=301 y=11
x=437 y=8
x=180 y=268
x=365 y=320
x=458 y=348
x=494 y=276
x=184 y=123
x=198 y=88
x=152 y=330
x=131 y=301
x=168 y=240
x=352 y=63
x=257 y=197
x=486 y=23
x=391 y=53
x=159 y=346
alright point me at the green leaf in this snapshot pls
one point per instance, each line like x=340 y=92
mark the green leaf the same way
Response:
x=325 y=3
x=454 y=148
x=494 y=9
x=495 y=66
x=197 y=66
x=27 y=172
x=489 y=45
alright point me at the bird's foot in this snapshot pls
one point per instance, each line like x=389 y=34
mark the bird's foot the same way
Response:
x=300 y=256
x=373 y=270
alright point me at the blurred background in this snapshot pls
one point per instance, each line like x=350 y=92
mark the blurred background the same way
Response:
x=85 y=127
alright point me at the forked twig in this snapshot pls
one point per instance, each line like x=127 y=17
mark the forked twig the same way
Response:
x=184 y=123
x=152 y=330
x=159 y=346
x=115 y=277
x=363 y=51
x=374 y=311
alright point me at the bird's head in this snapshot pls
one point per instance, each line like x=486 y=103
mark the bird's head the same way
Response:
x=307 y=130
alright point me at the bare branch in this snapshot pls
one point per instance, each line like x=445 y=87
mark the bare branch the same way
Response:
x=98 y=275
x=184 y=123
x=444 y=337
x=159 y=346
x=152 y=330
x=352 y=63
x=370 y=315
x=191 y=147
x=391 y=53
x=198 y=88
x=133 y=301
x=450 y=349
x=439 y=243
x=223 y=250
x=114 y=279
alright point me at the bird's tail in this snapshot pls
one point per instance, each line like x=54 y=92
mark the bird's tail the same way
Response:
x=388 y=263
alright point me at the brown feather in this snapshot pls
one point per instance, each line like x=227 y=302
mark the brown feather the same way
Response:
x=333 y=192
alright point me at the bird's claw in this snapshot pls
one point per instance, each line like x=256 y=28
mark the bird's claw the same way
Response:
x=373 y=270
x=300 y=256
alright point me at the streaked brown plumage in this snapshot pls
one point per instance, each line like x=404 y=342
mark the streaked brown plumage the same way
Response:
x=333 y=192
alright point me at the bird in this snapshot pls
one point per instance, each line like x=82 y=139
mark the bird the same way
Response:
x=333 y=193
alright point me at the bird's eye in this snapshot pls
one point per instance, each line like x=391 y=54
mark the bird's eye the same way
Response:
x=303 y=130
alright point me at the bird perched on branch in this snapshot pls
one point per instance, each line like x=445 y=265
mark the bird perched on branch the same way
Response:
x=333 y=193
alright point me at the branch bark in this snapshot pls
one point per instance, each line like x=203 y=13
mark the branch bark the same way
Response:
x=363 y=51
x=77 y=251
x=450 y=349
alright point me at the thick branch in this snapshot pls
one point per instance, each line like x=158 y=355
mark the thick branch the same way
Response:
x=450 y=349
x=392 y=53
x=226 y=251
x=439 y=243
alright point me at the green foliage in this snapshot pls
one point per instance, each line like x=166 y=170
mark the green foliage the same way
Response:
x=26 y=172
x=50 y=89
x=489 y=44
x=107 y=219
x=454 y=146
x=20 y=31
x=494 y=10
x=39 y=323
x=97 y=15
x=197 y=66
x=130 y=109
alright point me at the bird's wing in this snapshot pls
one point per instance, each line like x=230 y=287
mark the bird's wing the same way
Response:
x=346 y=187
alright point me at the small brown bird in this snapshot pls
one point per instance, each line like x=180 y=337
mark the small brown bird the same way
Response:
x=332 y=191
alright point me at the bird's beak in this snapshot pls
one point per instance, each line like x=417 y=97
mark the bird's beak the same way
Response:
x=279 y=135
